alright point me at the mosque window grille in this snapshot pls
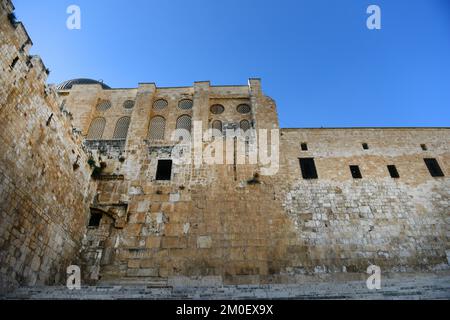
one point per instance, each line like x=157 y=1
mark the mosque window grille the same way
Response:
x=184 y=122
x=243 y=108
x=157 y=128
x=185 y=104
x=160 y=104
x=244 y=125
x=104 y=105
x=121 y=130
x=96 y=129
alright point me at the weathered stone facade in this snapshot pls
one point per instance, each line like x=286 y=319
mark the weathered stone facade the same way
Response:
x=44 y=176
x=210 y=221
x=225 y=222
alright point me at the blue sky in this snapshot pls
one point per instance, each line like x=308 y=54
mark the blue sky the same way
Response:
x=316 y=58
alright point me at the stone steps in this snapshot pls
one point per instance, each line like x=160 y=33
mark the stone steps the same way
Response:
x=150 y=282
x=398 y=287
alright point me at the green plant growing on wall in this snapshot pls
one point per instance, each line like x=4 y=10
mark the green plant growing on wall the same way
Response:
x=97 y=170
x=91 y=162
x=254 y=180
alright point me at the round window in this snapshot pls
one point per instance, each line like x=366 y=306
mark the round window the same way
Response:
x=217 y=109
x=160 y=104
x=243 y=108
x=129 y=104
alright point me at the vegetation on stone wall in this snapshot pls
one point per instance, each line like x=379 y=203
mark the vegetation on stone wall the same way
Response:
x=254 y=179
x=96 y=170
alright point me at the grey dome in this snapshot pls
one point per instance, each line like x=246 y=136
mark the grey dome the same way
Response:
x=67 y=85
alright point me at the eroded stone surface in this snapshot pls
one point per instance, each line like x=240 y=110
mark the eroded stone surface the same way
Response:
x=209 y=221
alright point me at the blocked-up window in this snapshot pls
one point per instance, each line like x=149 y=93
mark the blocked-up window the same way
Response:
x=121 y=130
x=308 y=168
x=164 y=170
x=356 y=172
x=433 y=167
x=96 y=129
x=393 y=171
x=129 y=104
x=95 y=219
x=184 y=122
x=217 y=109
x=157 y=128
x=217 y=127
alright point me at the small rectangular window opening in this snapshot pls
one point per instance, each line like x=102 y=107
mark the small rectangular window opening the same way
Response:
x=308 y=168
x=13 y=64
x=304 y=146
x=164 y=170
x=393 y=171
x=424 y=147
x=365 y=146
x=356 y=173
x=95 y=219
x=433 y=167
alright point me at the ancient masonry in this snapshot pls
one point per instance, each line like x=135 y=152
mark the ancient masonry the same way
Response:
x=88 y=177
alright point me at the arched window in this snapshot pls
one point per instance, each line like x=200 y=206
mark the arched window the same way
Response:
x=96 y=129
x=244 y=125
x=217 y=128
x=184 y=122
x=157 y=128
x=121 y=130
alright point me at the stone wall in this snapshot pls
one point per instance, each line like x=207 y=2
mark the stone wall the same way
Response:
x=44 y=176
x=347 y=224
x=210 y=222
x=214 y=222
